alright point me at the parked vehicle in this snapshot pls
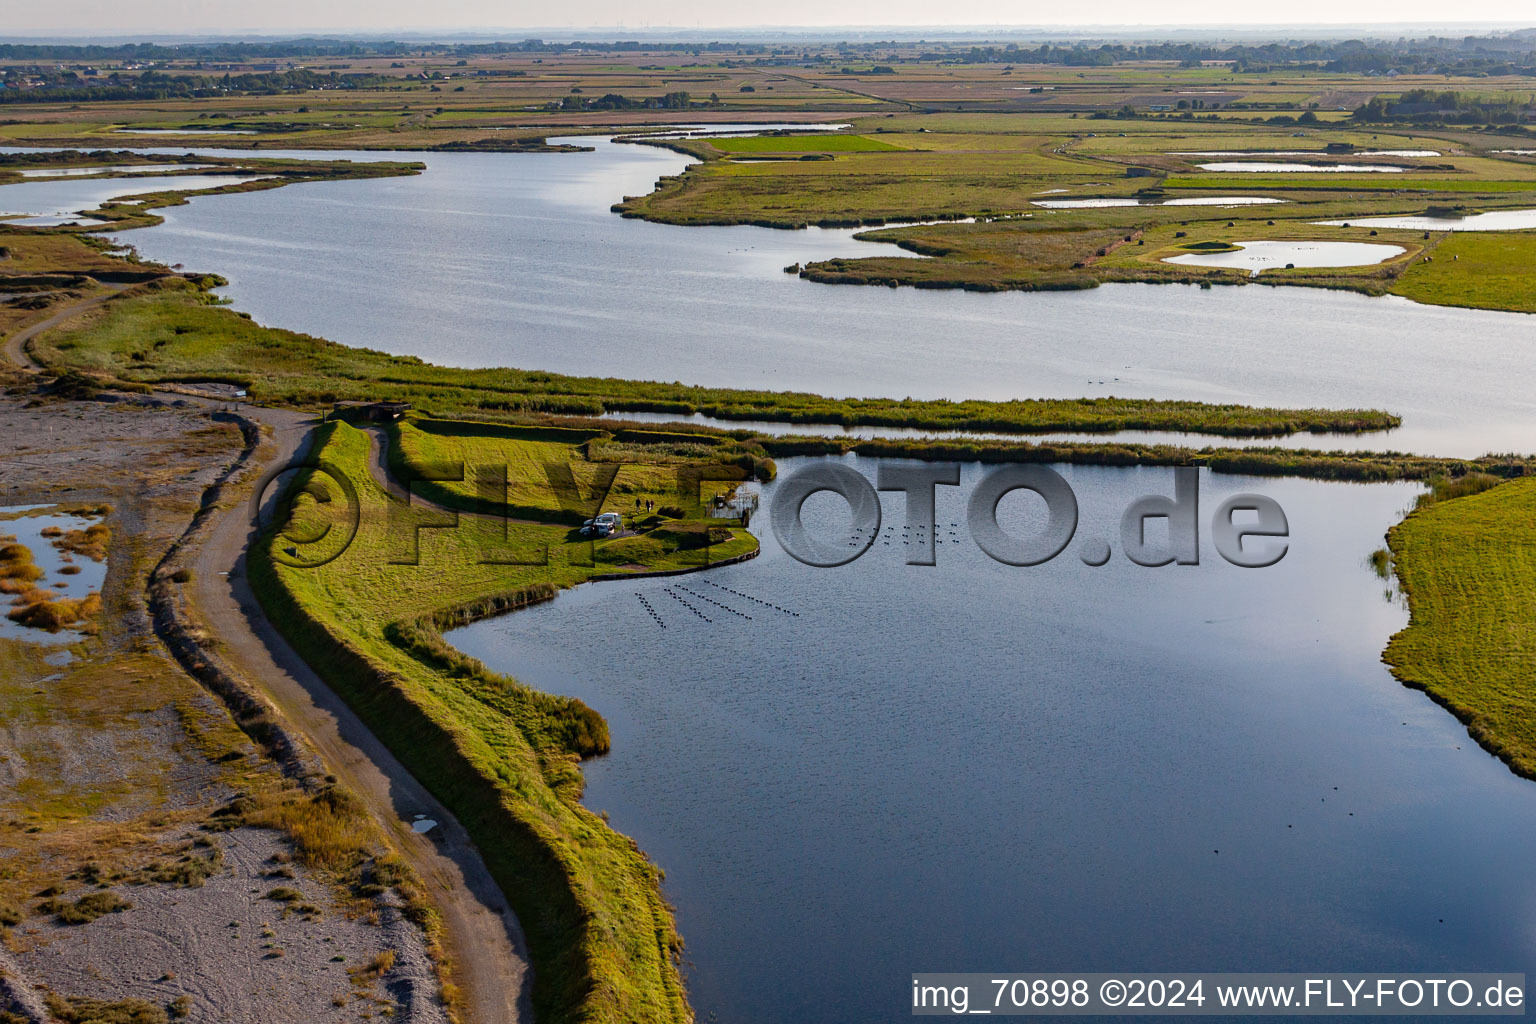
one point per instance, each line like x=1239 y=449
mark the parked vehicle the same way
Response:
x=604 y=525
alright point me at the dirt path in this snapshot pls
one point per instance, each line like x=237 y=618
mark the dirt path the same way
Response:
x=15 y=346
x=482 y=935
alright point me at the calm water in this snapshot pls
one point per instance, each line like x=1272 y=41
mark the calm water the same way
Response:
x=65 y=196
x=1308 y=152
x=1257 y=256
x=1239 y=166
x=1070 y=204
x=82 y=172
x=24 y=524
x=1493 y=220
x=979 y=767
x=514 y=259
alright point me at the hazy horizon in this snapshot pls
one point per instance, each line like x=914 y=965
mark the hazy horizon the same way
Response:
x=168 y=18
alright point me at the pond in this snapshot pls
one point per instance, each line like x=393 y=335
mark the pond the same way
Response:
x=1268 y=255
x=1258 y=167
x=1308 y=152
x=1493 y=220
x=973 y=765
x=1067 y=204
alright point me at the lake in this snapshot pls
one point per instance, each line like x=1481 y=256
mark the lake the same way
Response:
x=515 y=260
x=979 y=767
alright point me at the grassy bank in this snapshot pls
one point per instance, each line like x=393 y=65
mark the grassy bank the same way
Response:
x=504 y=758
x=1485 y=270
x=1354 y=466
x=173 y=332
x=1467 y=565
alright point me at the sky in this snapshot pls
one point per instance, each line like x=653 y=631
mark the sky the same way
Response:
x=229 y=17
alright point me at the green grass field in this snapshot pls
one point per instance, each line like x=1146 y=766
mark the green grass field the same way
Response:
x=1486 y=270
x=821 y=143
x=1468 y=565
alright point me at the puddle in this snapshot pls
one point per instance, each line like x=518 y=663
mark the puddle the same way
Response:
x=1260 y=256
x=78 y=574
x=423 y=825
x=1308 y=152
x=1493 y=220
x=80 y=172
x=1289 y=168
x=1072 y=204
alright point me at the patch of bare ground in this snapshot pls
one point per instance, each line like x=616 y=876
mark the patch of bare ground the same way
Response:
x=155 y=863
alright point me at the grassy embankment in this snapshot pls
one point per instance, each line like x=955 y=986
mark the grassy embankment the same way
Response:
x=173 y=333
x=502 y=757
x=1467 y=565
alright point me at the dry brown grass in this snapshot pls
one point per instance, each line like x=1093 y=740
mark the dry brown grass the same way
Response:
x=46 y=610
x=91 y=542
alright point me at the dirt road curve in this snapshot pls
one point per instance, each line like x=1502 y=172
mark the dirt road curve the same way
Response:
x=15 y=345
x=481 y=934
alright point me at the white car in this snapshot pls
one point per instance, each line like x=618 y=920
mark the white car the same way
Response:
x=604 y=525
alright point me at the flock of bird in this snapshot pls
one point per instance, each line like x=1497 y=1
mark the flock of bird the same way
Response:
x=697 y=596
